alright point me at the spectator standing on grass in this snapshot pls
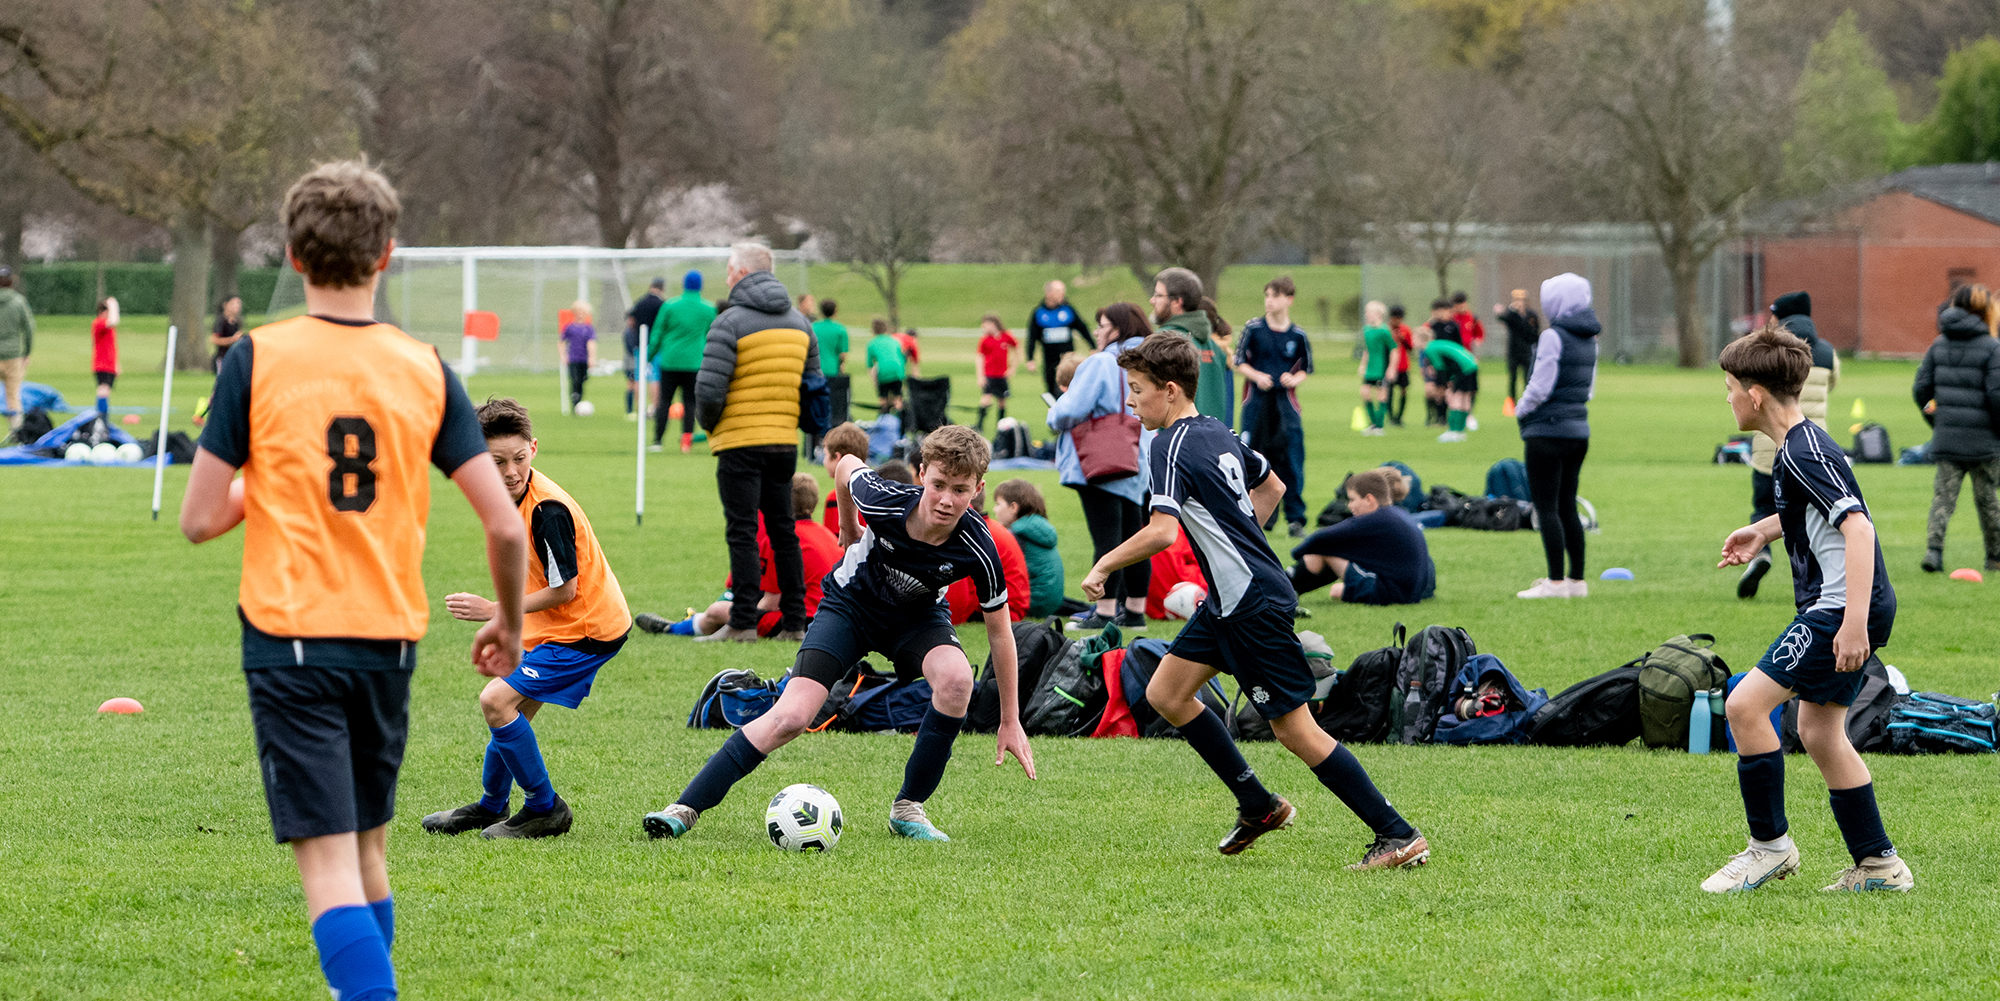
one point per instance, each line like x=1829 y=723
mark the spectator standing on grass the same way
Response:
x=677 y=353
x=832 y=339
x=1958 y=390
x=1793 y=311
x=1275 y=357
x=1378 y=360
x=996 y=363
x=1177 y=306
x=1554 y=415
x=887 y=364
x=908 y=339
x=228 y=328
x=1110 y=508
x=104 y=352
x=1056 y=326
x=1405 y=347
x=1018 y=505
x=17 y=342
x=1523 y=325
x=579 y=349
x=645 y=312
x=747 y=398
x=1471 y=332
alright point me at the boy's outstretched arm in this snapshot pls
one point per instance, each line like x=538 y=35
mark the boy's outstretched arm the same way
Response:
x=1154 y=538
x=1745 y=543
x=213 y=502
x=1006 y=670
x=496 y=648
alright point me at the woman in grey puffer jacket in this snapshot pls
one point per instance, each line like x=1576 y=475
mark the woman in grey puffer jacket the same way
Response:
x=1958 y=388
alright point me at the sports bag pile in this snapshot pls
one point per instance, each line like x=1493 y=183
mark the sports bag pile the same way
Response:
x=1668 y=678
x=1935 y=723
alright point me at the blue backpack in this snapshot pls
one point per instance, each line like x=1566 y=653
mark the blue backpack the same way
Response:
x=732 y=699
x=1496 y=705
x=894 y=706
x=1932 y=723
x=1508 y=478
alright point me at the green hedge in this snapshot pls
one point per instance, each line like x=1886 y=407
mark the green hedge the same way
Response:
x=70 y=288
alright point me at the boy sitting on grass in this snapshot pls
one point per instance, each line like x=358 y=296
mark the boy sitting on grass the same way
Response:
x=1376 y=557
x=1221 y=492
x=1019 y=506
x=819 y=551
x=575 y=621
x=1845 y=611
x=886 y=596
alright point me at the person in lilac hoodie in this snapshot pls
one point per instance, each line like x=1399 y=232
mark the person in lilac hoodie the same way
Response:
x=579 y=349
x=1554 y=416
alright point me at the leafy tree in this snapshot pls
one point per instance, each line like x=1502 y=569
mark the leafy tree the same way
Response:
x=1845 y=127
x=1965 y=125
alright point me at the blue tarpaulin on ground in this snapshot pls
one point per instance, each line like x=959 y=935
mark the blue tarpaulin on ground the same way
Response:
x=34 y=455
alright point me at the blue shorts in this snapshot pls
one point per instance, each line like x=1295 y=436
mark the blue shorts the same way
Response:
x=1259 y=649
x=1801 y=659
x=553 y=672
x=846 y=631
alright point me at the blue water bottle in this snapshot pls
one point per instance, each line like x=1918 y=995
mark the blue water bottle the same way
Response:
x=1698 y=724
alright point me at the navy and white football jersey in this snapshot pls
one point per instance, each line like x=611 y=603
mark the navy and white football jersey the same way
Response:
x=887 y=568
x=1203 y=475
x=1815 y=491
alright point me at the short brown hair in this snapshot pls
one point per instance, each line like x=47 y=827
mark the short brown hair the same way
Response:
x=504 y=417
x=827 y=307
x=1023 y=495
x=1182 y=284
x=896 y=471
x=1769 y=357
x=1387 y=486
x=1164 y=358
x=1282 y=285
x=1066 y=369
x=992 y=318
x=957 y=450
x=879 y=325
x=338 y=219
x=847 y=439
x=805 y=496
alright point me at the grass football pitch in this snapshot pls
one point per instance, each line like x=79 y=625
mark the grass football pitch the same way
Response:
x=140 y=863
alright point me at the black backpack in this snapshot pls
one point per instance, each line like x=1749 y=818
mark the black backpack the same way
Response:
x=1362 y=708
x=1425 y=677
x=1010 y=440
x=1069 y=697
x=1335 y=510
x=1142 y=658
x=1871 y=444
x=1599 y=710
x=1868 y=717
x=1448 y=501
x=1036 y=642
x=1493 y=514
x=34 y=424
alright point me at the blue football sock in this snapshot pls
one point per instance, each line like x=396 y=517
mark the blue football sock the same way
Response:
x=353 y=956
x=495 y=779
x=684 y=627
x=737 y=758
x=931 y=753
x=1860 y=822
x=1342 y=774
x=1762 y=777
x=1210 y=739
x=385 y=919
x=104 y=405
x=517 y=746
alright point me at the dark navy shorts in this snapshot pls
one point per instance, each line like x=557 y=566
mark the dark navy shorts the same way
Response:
x=1801 y=659
x=847 y=632
x=1362 y=587
x=996 y=386
x=558 y=674
x=329 y=743
x=1259 y=649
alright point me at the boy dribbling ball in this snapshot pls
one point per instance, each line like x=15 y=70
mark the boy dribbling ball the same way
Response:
x=887 y=596
x=333 y=419
x=1845 y=611
x=574 y=621
x=1220 y=492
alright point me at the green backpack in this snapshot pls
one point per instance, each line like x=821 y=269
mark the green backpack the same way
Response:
x=1668 y=679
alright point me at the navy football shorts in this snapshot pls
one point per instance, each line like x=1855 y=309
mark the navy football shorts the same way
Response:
x=1259 y=649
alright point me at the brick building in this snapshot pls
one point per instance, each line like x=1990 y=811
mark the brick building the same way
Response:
x=1880 y=258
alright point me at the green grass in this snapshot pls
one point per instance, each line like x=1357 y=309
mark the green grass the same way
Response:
x=140 y=863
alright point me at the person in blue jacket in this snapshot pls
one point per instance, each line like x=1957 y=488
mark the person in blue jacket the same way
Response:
x=1111 y=509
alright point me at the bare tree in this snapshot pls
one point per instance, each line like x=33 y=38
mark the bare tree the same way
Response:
x=879 y=201
x=1423 y=196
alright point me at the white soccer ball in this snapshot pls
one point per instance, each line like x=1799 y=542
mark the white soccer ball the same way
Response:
x=77 y=452
x=129 y=452
x=103 y=454
x=803 y=818
x=584 y=408
x=1183 y=598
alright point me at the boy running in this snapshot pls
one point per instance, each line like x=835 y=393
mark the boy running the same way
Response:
x=1220 y=492
x=574 y=621
x=1380 y=347
x=1845 y=611
x=333 y=418
x=887 y=596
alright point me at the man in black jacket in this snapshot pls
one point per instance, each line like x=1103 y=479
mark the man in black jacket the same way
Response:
x=1524 y=331
x=645 y=312
x=1055 y=325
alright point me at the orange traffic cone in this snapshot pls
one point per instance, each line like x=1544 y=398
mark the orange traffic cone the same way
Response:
x=1507 y=407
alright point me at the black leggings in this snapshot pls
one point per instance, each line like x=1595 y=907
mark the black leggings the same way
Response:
x=1112 y=520
x=579 y=373
x=1553 y=465
x=671 y=380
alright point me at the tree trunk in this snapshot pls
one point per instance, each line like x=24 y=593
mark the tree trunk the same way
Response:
x=226 y=258
x=1690 y=338
x=13 y=220
x=191 y=237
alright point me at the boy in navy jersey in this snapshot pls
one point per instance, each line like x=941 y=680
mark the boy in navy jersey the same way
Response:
x=887 y=596
x=1845 y=610
x=1220 y=492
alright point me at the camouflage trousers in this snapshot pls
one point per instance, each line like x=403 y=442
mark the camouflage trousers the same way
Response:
x=1944 y=501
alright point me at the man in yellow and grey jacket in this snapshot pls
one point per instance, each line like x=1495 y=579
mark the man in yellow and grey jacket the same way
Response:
x=1794 y=312
x=747 y=398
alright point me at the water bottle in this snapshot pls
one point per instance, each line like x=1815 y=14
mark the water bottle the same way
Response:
x=1698 y=724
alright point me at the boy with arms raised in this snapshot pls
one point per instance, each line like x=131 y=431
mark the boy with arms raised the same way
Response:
x=887 y=596
x=1220 y=492
x=575 y=620
x=1845 y=611
x=333 y=418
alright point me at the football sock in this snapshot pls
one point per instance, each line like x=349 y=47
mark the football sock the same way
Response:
x=1377 y=413
x=1455 y=420
x=1860 y=822
x=385 y=920
x=737 y=758
x=684 y=627
x=1305 y=581
x=628 y=401
x=104 y=406
x=495 y=779
x=927 y=760
x=1002 y=416
x=524 y=760
x=1206 y=734
x=1762 y=777
x=1342 y=774
x=353 y=956
x=982 y=419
